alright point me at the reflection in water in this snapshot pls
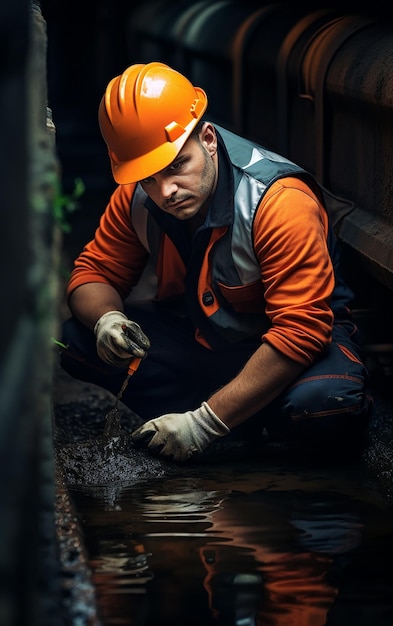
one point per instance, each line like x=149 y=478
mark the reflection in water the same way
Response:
x=241 y=549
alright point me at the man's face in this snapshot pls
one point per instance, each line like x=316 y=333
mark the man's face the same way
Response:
x=184 y=188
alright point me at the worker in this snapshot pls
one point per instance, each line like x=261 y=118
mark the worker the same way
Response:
x=243 y=322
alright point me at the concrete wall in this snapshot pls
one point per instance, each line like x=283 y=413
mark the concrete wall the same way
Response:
x=29 y=251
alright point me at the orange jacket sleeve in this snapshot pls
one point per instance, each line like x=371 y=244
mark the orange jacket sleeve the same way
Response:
x=115 y=255
x=290 y=235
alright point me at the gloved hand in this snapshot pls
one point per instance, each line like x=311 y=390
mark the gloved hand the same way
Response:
x=180 y=436
x=118 y=339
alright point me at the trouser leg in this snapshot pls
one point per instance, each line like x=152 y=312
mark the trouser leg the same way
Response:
x=328 y=402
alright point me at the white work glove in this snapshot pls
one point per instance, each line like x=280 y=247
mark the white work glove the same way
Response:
x=119 y=338
x=180 y=436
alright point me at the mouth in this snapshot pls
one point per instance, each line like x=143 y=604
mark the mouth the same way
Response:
x=178 y=205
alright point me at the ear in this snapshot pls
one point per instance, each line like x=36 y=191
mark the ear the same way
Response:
x=208 y=138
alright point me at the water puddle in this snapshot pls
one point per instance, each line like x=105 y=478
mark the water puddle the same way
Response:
x=244 y=546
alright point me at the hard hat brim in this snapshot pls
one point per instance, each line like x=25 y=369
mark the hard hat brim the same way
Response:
x=138 y=169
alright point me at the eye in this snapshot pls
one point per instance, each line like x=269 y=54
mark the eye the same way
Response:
x=146 y=181
x=175 y=167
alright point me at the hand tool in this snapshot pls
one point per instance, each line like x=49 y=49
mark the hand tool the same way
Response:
x=112 y=428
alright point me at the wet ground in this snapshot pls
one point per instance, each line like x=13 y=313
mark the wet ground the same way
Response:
x=247 y=540
x=259 y=545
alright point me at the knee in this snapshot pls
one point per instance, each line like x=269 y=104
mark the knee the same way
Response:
x=74 y=333
x=324 y=395
x=327 y=409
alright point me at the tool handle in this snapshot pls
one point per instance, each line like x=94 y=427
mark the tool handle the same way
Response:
x=133 y=365
x=135 y=362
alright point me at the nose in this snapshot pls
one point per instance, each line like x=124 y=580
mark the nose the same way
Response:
x=167 y=187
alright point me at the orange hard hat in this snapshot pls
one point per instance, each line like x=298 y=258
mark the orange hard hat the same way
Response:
x=145 y=116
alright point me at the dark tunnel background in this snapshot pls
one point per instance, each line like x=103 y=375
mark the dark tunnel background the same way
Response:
x=87 y=48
